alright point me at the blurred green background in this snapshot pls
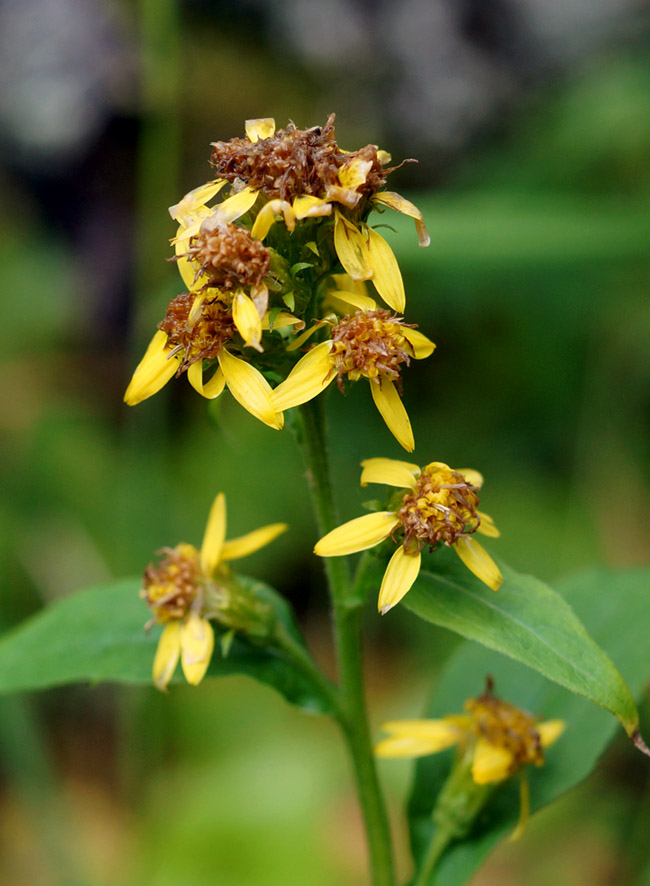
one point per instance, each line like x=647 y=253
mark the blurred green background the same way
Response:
x=531 y=122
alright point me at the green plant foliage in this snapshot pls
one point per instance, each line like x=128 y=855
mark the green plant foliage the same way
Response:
x=613 y=607
x=528 y=621
x=97 y=635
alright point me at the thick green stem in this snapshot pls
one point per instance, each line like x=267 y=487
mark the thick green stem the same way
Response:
x=352 y=715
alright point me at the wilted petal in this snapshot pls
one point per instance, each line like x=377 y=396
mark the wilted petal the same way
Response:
x=247 y=544
x=153 y=371
x=390 y=471
x=389 y=403
x=422 y=346
x=234 y=207
x=260 y=127
x=247 y=320
x=345 y=302
x=195 y=199
x=197 y=643
x=211 y=389
x=352 y=249
x=357 y=535
x=387 y=276
x=396 y=201
x=491 y=763
x=478 y=561
x=249 y=387
x=401 y=572
x=307 y=206
x=167 y=653
x=472 y=476
x=213 y=538
x=311 y=375
x=354 y=173
x=266 y=217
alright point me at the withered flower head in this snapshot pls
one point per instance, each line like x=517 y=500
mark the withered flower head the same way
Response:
x=294 y=162
x=199 y=337
x=368 y=343
x=228 y=256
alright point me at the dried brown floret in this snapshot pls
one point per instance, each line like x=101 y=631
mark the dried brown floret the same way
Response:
x=171 y=587
x=228 y=255
x=294 y=162
x=506 y=726
x=204 y=336
x=368 y=343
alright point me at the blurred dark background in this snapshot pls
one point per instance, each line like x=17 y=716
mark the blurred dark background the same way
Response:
x=530 y=120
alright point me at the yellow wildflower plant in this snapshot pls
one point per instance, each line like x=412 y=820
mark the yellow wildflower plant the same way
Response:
x=439 y=506
x=366 y=342
x=495 y=740
x=184 y=592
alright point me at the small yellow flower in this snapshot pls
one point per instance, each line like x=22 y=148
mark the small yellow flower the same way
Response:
x=495 y=740
x=367 y=343
x=440 y=506
x=197 y=331
x=182 y=588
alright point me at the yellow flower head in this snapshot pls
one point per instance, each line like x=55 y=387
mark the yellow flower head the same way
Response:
x=367 y=342
x=500 y=737
x=185 y=589
x=439 y=506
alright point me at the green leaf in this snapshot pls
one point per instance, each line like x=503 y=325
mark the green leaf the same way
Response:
x=98 y=635
x=528 y=621
x=613 y=606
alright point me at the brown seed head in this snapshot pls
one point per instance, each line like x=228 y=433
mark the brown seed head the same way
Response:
x=228 y=255
x=171 y=587
x=368 y=343
x=442 y=508
x=293 y=162
x=203 y=338
x=506 y=726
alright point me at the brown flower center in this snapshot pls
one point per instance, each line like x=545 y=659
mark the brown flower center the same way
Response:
x=369 y=343
x=442 y=508
x=293 y=162
x=228 y=255
x=506 y=726
x=171 y=587
x=202 y=337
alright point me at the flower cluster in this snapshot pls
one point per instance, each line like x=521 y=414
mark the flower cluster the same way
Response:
x=289 y=247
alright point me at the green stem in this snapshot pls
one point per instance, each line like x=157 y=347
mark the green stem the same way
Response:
x=352 y=714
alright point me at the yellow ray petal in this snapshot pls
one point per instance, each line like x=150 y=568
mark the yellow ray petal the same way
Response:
x=299 y=340
x=247 y=320
x=446 y=727
x=354 y=173
x=346 y=196
x=260 y=127
x=550 y=731
x=197 y=643
x=422 y=346
x=214 y=535
x=478 y=561
x=347 y=284
x=282 y=320
x=249 y=387
x=167 y=653
x=408 y=746
x=311 y=375
x=389 y=403
x=345 y=302
x=401 y=572
x=233 y=207
x=472 y=476
x=413 y=738
x=196 y=199
x=357 y=535
x=390 y=471
x=396 y=201
x=266 y=217
x=486 y=526
x=352 y=249
x=211 y=389
x=307 y=206
x=383 y=156
x=152 y=372
x=387 y=276
x=247 y=544
x=490 y=763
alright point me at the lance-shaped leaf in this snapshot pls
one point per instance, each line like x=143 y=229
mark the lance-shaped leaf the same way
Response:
x=97 y=635
x=528 y=621
x=613 y=606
